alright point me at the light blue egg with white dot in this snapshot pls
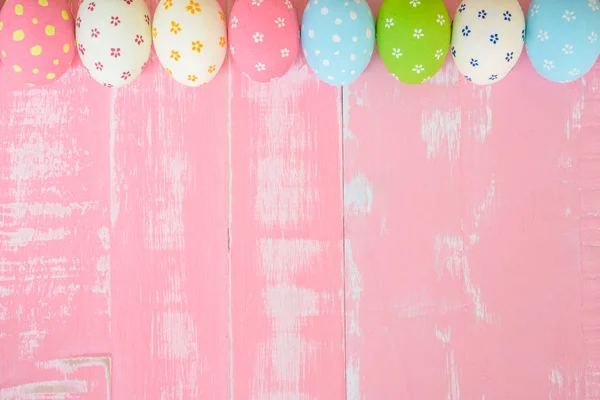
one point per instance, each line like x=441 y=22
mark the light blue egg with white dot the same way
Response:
x=563 y=37
x=338 y=37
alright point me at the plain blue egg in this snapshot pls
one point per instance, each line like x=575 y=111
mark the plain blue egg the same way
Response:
x=338 y=37
x=563 y=37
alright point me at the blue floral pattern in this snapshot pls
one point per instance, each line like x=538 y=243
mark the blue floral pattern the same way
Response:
x=487 y=41
x=561 y=38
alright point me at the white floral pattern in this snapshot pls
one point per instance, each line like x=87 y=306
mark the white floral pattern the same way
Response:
x=567 y=49
x=285 y=52
x=575 y=72
x=257 y=3
x=594 y=5
x=593 y=37
x=569 y=15
x=260 y=67
x=280 y=22
x=418 y=33
x=418 y=68
x=289 y=4
x=440 y=19
x=548 y=64
x=389 y=22
x=439 y=53
x=397 y=53
x=415 y=3
x=234 y=22
x=258 y=37
x=543 y=35
x=534 y=10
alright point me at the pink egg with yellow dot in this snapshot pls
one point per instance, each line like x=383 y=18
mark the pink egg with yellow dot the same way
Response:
x=37 y=40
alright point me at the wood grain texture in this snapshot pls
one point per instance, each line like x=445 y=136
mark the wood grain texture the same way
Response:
x=462 y=239
x=169 y=238
x=54 y=225
x=286 y=233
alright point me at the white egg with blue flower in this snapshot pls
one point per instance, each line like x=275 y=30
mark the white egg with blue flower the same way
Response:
x=562 y=37
x=487 y=39
x=338 y=37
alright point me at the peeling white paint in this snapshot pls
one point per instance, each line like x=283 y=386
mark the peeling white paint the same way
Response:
x=486 y=204
x=115 y=204
x=448 y=75
x=451 y=255
x=439 y=127
x=358 y=196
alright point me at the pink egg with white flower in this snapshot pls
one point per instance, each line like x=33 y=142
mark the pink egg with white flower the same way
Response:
x=263 y=38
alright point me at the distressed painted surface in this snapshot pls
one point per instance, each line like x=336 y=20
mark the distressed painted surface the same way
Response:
x=468 y=240
x=295 y=241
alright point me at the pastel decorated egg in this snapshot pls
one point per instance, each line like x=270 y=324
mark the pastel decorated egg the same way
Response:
x=114 y=39
x=487 y=39
x=562 y=37
x=36 y=40
x=337 y=39
x=413 y=38
x=263 y=37
x=190 y=38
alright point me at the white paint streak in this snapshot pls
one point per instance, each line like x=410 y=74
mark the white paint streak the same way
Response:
x=452 y=373
x=481 y=121
x=289 y=308
x=451 y=255
x=438 y=127
x=573 y=122
x=114 y=182
x=353 y=379
x=71 y=365
x=443 y=335
x=448 y=74
x=358 y=196
x=486 y=204
x=164 y=216
x=177 y=335
x=45 y=390
x=555 y=378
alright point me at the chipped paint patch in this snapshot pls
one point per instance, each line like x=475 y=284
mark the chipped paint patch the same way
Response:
x=358 y=196
x=439 y=127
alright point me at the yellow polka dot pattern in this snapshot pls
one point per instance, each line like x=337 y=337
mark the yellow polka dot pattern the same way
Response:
x=35 y=58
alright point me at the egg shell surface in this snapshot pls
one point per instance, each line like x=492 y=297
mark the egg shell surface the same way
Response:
x=413 y=37
x=338 y=38
x=190 y=38
x=562 y=37
x=487 y=39
x=263 y=37
x=36 y=40
x=114 y=39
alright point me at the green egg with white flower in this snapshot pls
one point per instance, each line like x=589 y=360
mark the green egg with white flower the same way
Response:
x=413 y=37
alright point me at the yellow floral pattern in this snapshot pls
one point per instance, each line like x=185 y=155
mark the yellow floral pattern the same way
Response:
x=169 y=71
x=222 y=15
x=175 y=27
x=175 y=55
x=154 y=33
x=222 y=41
x=197 y=46
x=212 y=69
x=193 y=7
x=192 y=78
x=168 y=4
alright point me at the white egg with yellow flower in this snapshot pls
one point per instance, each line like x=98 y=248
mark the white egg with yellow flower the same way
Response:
x=190 y=38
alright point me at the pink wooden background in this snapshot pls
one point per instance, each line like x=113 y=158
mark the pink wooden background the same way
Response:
x=294 y=241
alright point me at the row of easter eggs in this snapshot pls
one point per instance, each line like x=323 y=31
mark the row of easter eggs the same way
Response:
x=114 y=38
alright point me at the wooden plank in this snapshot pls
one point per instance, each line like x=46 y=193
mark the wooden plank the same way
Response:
x=168 y=199
x=55 y=299
x=286 y=231
x=462 y=238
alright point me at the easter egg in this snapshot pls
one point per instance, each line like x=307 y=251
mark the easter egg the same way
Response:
x=263 y=37
x=114 y=39
x=413 y=37
x=36 y=40
x=190 y=38
x=487 y=39
x=337 y=39
x=562 y=37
